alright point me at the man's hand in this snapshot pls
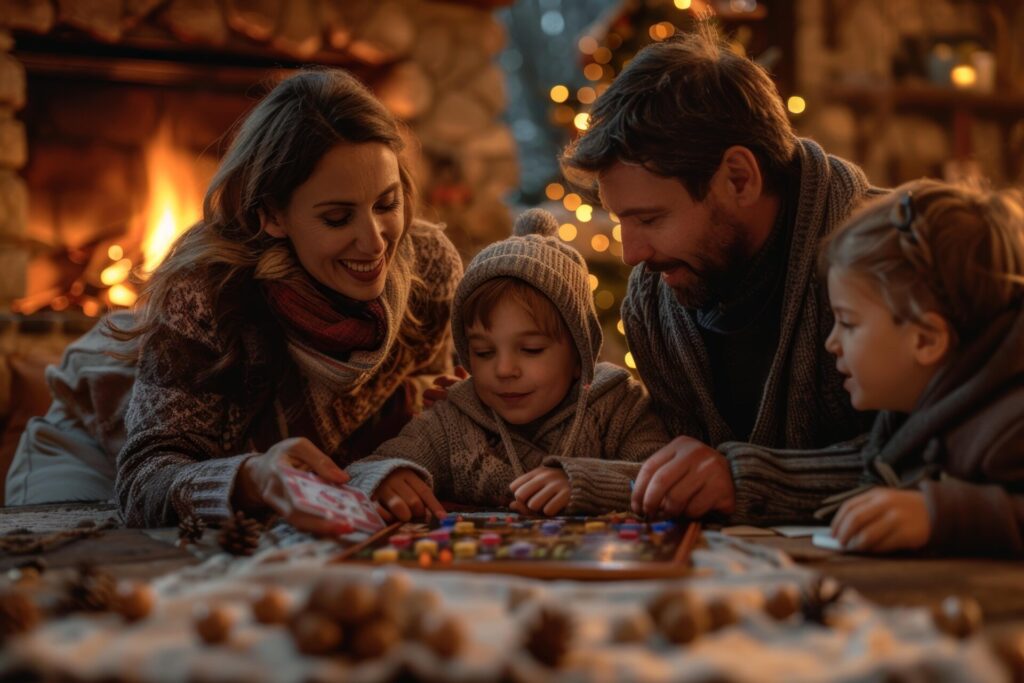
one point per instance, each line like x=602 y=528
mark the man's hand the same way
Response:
x=883 y=520
x=687 y=478
x=260 y=483
x=406 y=496
x=544 y=489
x=432 y=395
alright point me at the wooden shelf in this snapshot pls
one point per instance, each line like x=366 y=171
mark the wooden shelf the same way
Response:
x=928 y=97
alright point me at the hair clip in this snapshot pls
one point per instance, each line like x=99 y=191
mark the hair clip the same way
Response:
x=903 y=216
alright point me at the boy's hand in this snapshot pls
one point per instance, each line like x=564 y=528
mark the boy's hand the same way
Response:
x=883 y=520
x=544 y=489
x=432 y=395
x=685 y=477
x=406 y=496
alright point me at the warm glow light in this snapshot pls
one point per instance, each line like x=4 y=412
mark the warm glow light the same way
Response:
x=630 y=363
x=175 y=198
x=617 y=232
x=115 y=252
x=621 y=327
x=119 y=295
x=602 y=55
x=661 y=30
x=559 y=93
x=683 y=4
x=582 y=121
x=554 y=191
x=963 y=76
x=567 y=231
x=586 y=94
x=91 y=308
x=796 y=104
x=563 y=114
x=572 y=201
x=584 y=213
x=116 y=273
x=587 y=45
x=594 y=282
x=613 y=217
x=593 y=72
x=599 y=243
x=604 y=299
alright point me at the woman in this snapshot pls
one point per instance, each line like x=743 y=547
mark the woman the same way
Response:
x=291 y=326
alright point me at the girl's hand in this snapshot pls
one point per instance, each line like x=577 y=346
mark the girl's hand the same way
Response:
x=432 y=395
x=883 y=520
x=260 y=483
x=544 y=489
x=404 y=495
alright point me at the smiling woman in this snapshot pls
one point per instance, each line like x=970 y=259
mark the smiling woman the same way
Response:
x=293 y=325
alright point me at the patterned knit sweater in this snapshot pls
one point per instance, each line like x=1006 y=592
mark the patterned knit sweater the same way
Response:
x=456 y=446
x=803 y=403
x=186 y=439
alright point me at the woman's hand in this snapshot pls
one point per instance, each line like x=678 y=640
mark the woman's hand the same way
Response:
x=404 y=495
x=433 y=395
x=686 y=477
x=260 y=483
x=544 y=489
x=883 y=520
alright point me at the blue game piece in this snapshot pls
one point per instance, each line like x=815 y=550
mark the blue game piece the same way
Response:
x=550 y=528
x=449 y=521
x=520 y=549
x=662 y=527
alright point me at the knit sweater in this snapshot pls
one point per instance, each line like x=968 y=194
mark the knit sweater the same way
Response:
x=803 y=404
x=186 y=439
x=963 y=446
x=456 y=446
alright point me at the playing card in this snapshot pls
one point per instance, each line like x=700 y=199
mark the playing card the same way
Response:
x=344 y=504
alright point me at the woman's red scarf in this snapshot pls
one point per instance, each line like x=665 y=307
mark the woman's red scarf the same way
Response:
x=326 y=321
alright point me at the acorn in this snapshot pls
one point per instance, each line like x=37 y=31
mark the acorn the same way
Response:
x=134 y=600
x=373 y=639
x=684 y=619
x=273 y=606
x=445 y=634
x=316 y=634
x=213 y=623
x=958 y=616
x=635 y=627
x=783 y=602
x=721 y=613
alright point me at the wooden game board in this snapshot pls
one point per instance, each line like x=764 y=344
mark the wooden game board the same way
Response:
x=604 y=548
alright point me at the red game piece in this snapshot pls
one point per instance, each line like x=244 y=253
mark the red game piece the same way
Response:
x=490 y=540
x=401 y=541
x=629 y=534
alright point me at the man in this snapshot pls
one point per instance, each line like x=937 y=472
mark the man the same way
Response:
x=722 y=209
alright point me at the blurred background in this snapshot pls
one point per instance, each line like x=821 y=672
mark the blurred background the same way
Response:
x=114 y=113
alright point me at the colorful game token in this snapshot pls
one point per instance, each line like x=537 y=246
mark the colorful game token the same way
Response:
x=520 y=549
x=426 y=546
x=662 y=527
x=449 y=521
x=594 y=527
x=465 y=527
x=425 y=560
x=631 y=526
x=385 y=555
x=490 y=540
x=440 y=536
x=464 y=549
x=401 y=541
x=628 y=534
x=445 y=556
x=550 y=528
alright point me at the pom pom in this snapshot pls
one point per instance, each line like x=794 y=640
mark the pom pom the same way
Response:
x=535 y=222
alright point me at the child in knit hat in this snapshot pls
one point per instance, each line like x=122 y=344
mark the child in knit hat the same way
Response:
x=540 y=425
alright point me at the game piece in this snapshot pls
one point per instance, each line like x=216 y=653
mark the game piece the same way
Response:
x=440 y=536
x=550 y=528
x=490 y=540
x=548 y=636
x=316 y=634
x=213 y=623
x=444 y=556
x=382 y=555
x=426 y=546
x=464 y=549
x=521 y=549
x=134 y=600
x=374 y=639
x=958 y=616
x=442 y=633
x=18 y=614
x=449 y=521
x=635 y=627
x=343 y=505
x=594 y=527
x=629 y=534
x=426 y=560
x=272 y=607
x=401 y=540
x=783 y=602
x=465 y=527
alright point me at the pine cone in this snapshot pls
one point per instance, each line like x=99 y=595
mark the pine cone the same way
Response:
x=18 y=614
x=240 y=535
x=548 y=636
x=819 y=598
x=93 y=590
x=190 y=529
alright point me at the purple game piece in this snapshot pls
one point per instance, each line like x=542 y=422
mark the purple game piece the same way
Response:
x=520 y=549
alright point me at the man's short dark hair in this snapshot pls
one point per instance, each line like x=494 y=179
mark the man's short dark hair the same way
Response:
x=675 y=109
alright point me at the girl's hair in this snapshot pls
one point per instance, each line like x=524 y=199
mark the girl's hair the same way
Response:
x=931 y=246
x=480 y=305
x=276 y=149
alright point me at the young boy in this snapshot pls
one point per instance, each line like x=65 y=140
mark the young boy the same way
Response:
x=539 y=425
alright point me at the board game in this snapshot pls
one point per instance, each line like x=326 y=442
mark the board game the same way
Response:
x=615 y=546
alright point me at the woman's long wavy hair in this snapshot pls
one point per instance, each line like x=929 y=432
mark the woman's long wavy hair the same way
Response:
x=276 y=149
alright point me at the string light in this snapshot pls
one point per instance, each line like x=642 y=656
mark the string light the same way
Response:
x=586 y=94
x=115 y=252
x=963 y=76
x=630 y=363
x=683 y=4
x=796 y=104
x=594 y=282
x=621 y=327
x=602 y=55
x=559 y=93
x=90 y=308
x=563 y=114
x=593 y=72
x=599 y=243
x=554 y=191
x=119 y=295
x=617 y=232
x=584 y=212
x=567 y=232
x=572 y=201
x=582 y=121
x=117 y=272
x=604 y=299
x=587 y=45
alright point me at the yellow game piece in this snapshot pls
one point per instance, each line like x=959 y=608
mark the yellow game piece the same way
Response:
x=385 y=555
x=594 y=527
x=426 y=545
x=464 y=549
x=465 y=527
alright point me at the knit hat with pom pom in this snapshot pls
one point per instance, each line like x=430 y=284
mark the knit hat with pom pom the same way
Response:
x=537 y=257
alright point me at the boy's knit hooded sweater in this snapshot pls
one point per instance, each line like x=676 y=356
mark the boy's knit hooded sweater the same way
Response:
x=599 y=435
